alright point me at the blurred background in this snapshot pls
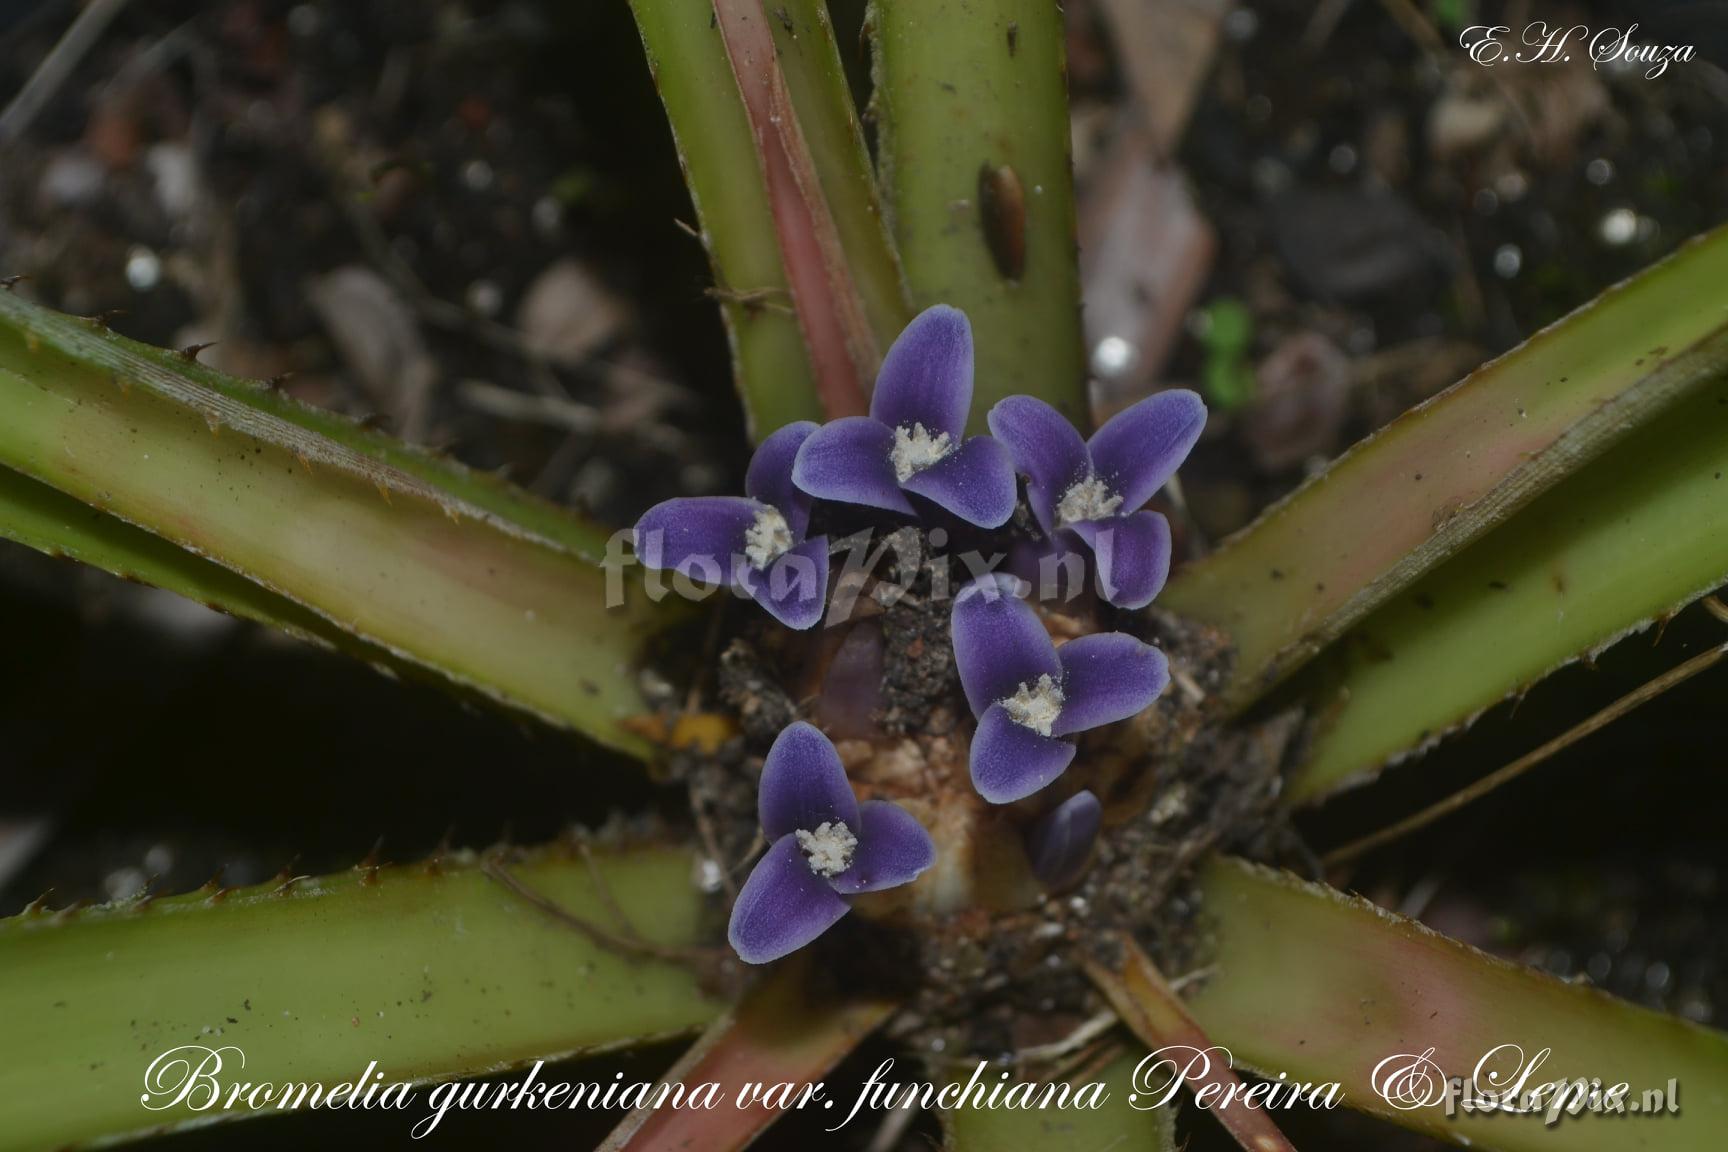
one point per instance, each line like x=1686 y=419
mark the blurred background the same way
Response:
x=464 y=221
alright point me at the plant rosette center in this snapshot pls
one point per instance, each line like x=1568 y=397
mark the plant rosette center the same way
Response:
x=924 y=747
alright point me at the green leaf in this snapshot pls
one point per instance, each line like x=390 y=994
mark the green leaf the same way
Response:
x=1323 y=987
x=1635 y=535
x=1451 y=15
x=440 y=568
x=1417 y=492
x=972 y=111
x=1228 y=336
x=1117 y=1124
x=435 y=973
x=38 y=517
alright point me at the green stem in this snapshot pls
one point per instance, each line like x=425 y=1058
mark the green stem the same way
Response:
x=1149 y=1006
x=972 y=108
x=775 y=161
x=784 y=1031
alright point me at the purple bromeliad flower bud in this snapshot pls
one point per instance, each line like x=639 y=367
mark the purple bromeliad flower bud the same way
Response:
x=754 y=542
x=1094 y=490
x=1060 y=843
x=1028 y=695
x=913 y=442
x=824 y=846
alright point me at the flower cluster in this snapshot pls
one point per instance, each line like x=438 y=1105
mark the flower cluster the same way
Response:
x=911 y=457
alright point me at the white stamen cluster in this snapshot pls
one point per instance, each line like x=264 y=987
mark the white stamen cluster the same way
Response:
x=1035 y=706
x=768 y=539
x=915 y=449
x=829 y=848
x=1088 y=499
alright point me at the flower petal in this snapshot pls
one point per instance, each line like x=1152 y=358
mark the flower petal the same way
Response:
x=975 y=482
x=696 y=535
x=769 y=478
x=999 y=642
x=1055 y=567
x=852 y=688
x=893 y=849
x=803 y=784
x=784 y=906
x=1132 y=554
x=1046 y=450
x=926 y=378
x=848 y=460
x=1061 y=842
x=794 y=589
x=1010 y=761
x=1141 y=447
x=1107 y=677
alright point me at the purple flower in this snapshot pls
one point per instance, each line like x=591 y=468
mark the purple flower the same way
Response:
x=913 y=439
x=1095 y=489
x=825 y=847
x=754 y=542
x=1028 y=694
x=1060 y=843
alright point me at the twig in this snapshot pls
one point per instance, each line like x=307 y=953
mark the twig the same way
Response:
x=1627 y=703
x=509 y=404
x=1088 y=1031
x=1187 y=978
x=892 y=1128
x=156 y=57
x=61 y=61
x=1185 y=683
x=711 y=844
x=554 y=410
x=1422 y=32
x=1323 y=23
x=453 y=317
x=710 y=650
x=1416 y=26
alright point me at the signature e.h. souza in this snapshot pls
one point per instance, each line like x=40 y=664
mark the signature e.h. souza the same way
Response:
x=1542 y=43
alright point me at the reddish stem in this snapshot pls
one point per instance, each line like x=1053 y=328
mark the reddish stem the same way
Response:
x=781 y=1032
x=842 y=347
x=1153 y=1012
